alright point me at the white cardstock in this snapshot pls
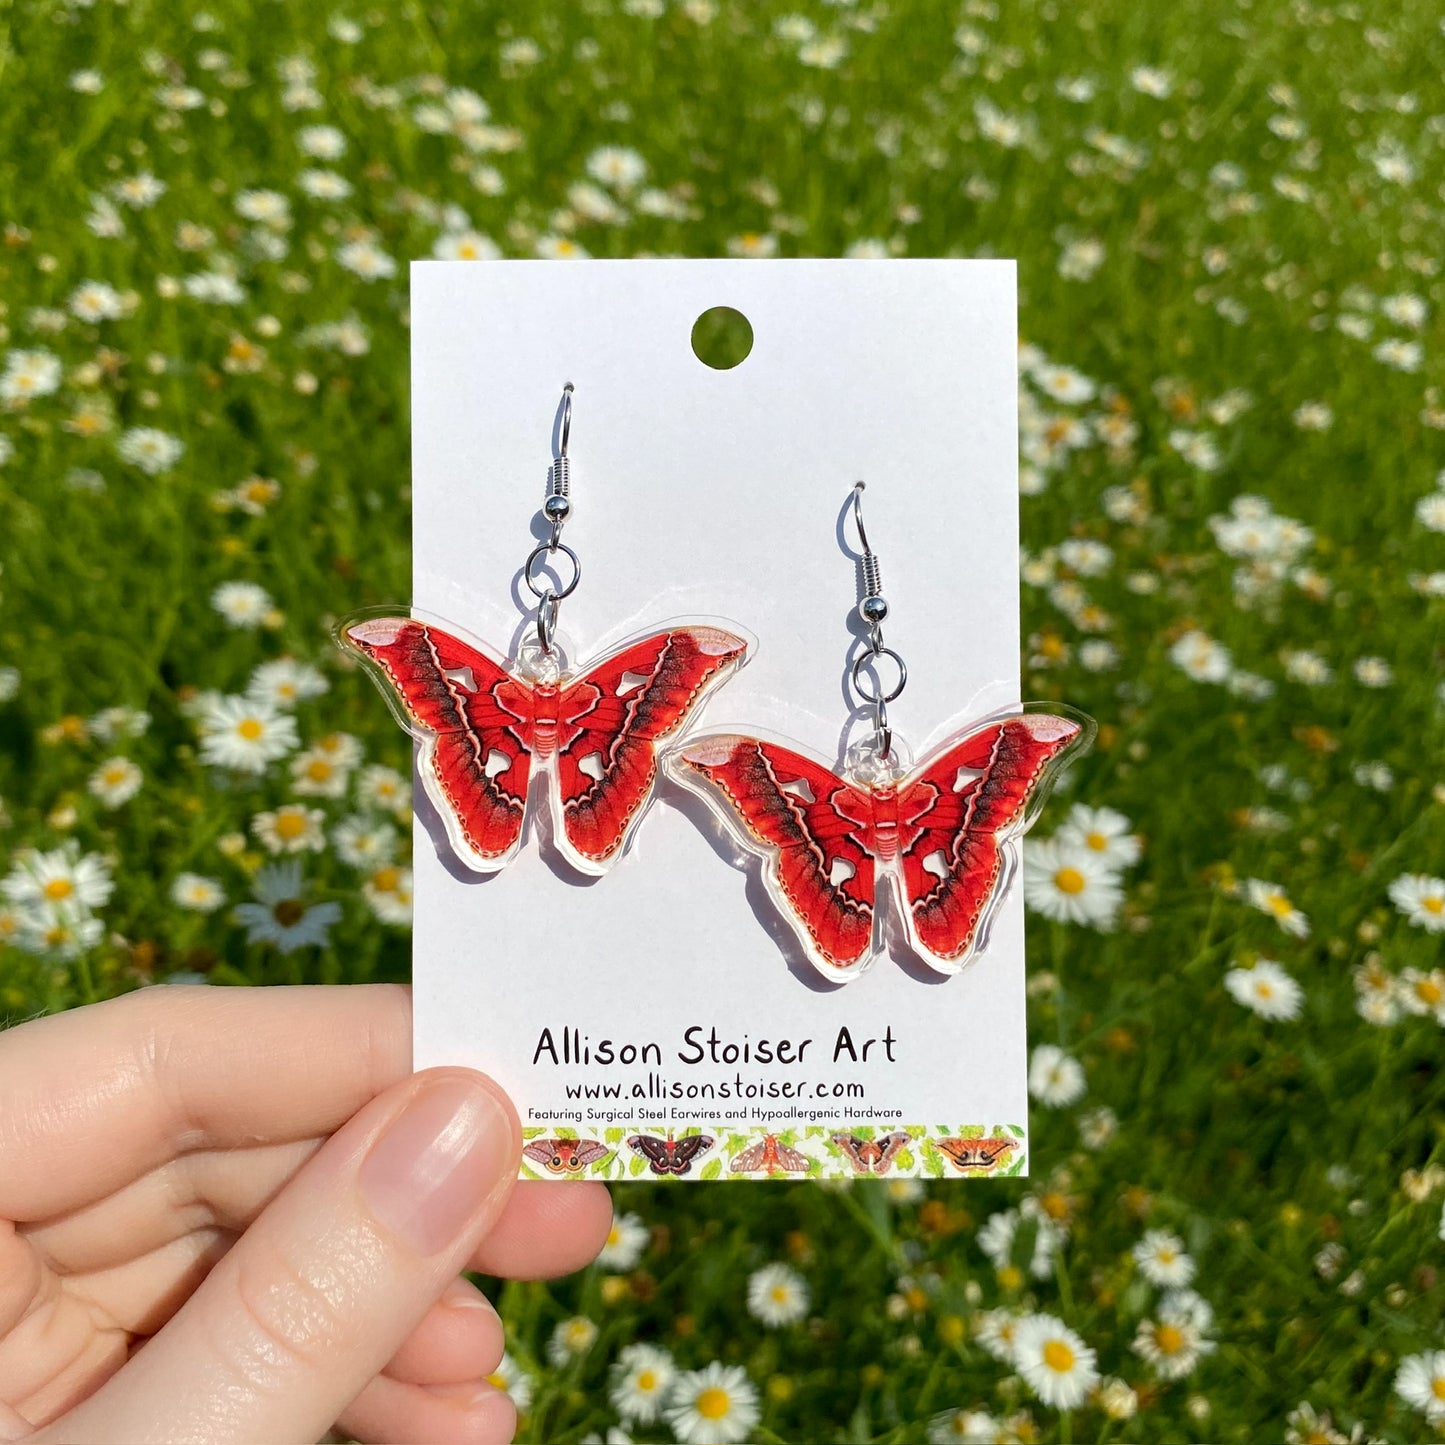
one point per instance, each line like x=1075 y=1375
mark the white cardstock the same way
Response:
x=635 y=1004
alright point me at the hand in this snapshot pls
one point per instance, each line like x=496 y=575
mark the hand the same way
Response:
x=236 y=1215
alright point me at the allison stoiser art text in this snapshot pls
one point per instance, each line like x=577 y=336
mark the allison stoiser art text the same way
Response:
x=568 y=1045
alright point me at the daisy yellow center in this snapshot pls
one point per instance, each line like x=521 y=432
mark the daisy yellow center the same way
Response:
x=56 y=936
x=1317 y=1437
x=250 y=728
x=384 y=880
x=467 y=251
x=1167 y=1256
x=289 y=912
x=646 y=1381
x=1058 y=1356
x=1097 y=841
x=498 y=1382
x=116 y=774
x=290 y=825
x=1429 y=991
x=614 y=1235
x=1069 y=880
x=713 y=1403
x=1437 y=1387
x=1169 y=1339
x=59 y=888
x=1264 y=990
x=1278 y=904
x=1435 y=903
x=318 y=770
x=780 y=1294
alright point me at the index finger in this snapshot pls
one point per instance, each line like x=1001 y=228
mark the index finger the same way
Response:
x=99 y=1095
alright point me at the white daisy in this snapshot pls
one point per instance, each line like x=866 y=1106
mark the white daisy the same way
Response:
x=997 y=1331
x=115 y=781
x=1204 y=659
x=29 y=374
x=642 y=1379
x=626 y=1241
x=139 y=191
x=717 y=1405
x=1171 y=1345
x=292 y=828
x=359 y=841
x=283 y=681
x=1266 y=989
x=385 y=788
x=63 y=932
x=512 y=1380
x=465 y=246
x=1373 y=672
x=966 y=1427
x=1162 y=1259
x=1117 y=1398
x=1070 y=884
x=1422 y=993
x=62 y=878
x=366 y=259
x=1103 y=832
x=241 y=733
x=96 y=301
x=197 y=892
x=321 y=142
x=388 y=893
x=571 y=1339
x=111 y=723
x=1056 y=1079
x=9 y=683
x=279 y=917
x=1421 y=899
x=244 y=605
x=315 y=775
x=777 y=1295
x=1054 y=1362
x=1270 y=898
x=616 y=166
x=151 y=450
x=324 y=185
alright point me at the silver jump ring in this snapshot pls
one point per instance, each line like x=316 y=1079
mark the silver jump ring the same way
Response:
x=547 y=610
x=530 y=572
x=871 y=694
x=883 y=732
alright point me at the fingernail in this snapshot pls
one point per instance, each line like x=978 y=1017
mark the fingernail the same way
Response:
x=429 y=1172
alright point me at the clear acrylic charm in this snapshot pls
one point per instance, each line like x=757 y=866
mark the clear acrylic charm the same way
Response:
x=939 y=840
x=486 y=727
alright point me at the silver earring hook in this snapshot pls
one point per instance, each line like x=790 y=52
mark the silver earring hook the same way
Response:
x=555 y=509
x=872 y=611
x=566 y=419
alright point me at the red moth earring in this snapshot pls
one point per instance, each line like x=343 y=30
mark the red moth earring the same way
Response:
x=483 y=722
x=941 y=839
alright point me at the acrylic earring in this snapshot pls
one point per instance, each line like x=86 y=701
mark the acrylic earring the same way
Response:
x=483 y=722
x=938 y=841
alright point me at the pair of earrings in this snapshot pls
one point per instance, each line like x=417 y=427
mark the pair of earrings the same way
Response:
x=935 y=846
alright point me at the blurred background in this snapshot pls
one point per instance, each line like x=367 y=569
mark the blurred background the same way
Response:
x=1227 y=219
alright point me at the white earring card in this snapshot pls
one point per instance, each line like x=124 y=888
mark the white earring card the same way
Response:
x=662 y=1019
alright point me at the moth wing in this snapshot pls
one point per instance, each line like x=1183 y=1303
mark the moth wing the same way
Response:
x=958 y=815
x=590 y=1150
x=686 y=1149
x=811 y=828
x=473 y=721
x=888 y=1150
x=751 y=1158
x=540 y=1150
x=793 y=1160
x=653 y=1150
x=613 y=720
x=852 y=1148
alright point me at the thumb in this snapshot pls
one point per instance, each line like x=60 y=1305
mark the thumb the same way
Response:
x=318 y=1294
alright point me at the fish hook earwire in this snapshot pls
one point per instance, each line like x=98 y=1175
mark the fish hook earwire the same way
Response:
x=555 y=510
x=872 y=612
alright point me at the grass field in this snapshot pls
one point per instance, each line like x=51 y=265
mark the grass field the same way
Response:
x=1228 y=222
